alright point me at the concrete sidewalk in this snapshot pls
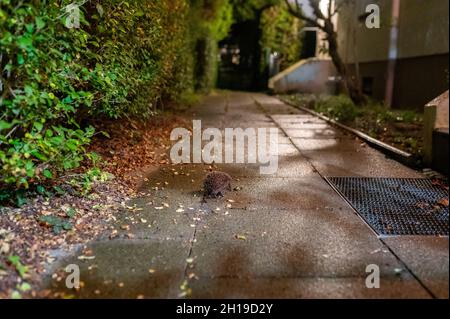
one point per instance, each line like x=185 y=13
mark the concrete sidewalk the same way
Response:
x=288 y=235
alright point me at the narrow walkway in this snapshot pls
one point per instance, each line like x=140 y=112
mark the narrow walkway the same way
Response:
x=288 y=235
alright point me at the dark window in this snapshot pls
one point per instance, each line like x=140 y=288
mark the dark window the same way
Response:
x=367 y=85
x=309 y=45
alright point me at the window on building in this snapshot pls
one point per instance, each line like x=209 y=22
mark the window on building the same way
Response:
x=309 y=45
x=367 y=85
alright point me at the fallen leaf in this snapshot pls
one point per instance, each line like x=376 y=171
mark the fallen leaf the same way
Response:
x=4 y=248
x=82 y=257
x=443 y=202
x=185 y=290
x=192 y=275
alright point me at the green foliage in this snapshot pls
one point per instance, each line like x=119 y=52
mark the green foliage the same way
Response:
x=13 y=197
x=123 y=59
x=57 y=223
x=39 y=92
x=20 y=268
x=247 y=9
x=383 y=114
x=209 y=21
x=339 y=108
x=21 y=288
x=83 y=182
x=280 y=33
x=400 y=128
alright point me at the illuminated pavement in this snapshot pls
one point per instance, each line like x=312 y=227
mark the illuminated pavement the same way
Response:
x=287 y=235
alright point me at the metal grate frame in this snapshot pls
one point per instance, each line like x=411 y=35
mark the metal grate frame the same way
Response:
x=397 y=206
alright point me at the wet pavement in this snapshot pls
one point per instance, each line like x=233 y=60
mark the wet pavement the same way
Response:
x=286 y=235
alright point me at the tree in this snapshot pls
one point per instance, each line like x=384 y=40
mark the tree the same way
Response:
x=252 y=10
x=280 y=34
x=324 y=22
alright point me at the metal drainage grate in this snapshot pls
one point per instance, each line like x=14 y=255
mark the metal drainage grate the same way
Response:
x=397 y=206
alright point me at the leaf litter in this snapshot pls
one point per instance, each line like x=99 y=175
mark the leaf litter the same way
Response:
x=26 y=243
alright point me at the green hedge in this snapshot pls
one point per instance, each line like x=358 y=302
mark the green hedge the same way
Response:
x=281 y=34
x=123 y=59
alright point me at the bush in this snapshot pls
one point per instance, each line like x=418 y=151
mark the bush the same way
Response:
x=339 y=108
x=281 y=34
x=123 y=59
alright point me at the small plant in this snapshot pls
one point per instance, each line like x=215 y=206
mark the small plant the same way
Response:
x=20 y=268
x=339 y=108
x=386 y=115
x=58 y=224
x=13 y=197
x=85 y=181
x=20 y=288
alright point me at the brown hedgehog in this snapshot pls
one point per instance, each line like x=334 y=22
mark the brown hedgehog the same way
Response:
x=216 y=184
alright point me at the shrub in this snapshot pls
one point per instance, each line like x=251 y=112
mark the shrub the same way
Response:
x=339 y=108
x=123 y=59
x=281 y=34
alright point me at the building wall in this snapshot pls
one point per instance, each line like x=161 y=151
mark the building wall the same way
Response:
x=308 y=76
x=423 y=28
x=355 y=40
x=419 y=80
x=423 y=48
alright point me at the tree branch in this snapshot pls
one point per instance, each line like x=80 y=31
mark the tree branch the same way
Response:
x=330 y=2
x=299 y=14
x=316 y=9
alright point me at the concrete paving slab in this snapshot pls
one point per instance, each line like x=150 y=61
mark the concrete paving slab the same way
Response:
x=304 y=126
x=329 y=144
x=303 y=288
x=428 y=259
x=304 y=192
x=313 y=133
x=363 y=161
x=286 y=150
x=296 y=118
x=267 y=99
x=279 y=109
x=120 y=269
x=302 y=243
x=154 y=220
x=302 y=119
